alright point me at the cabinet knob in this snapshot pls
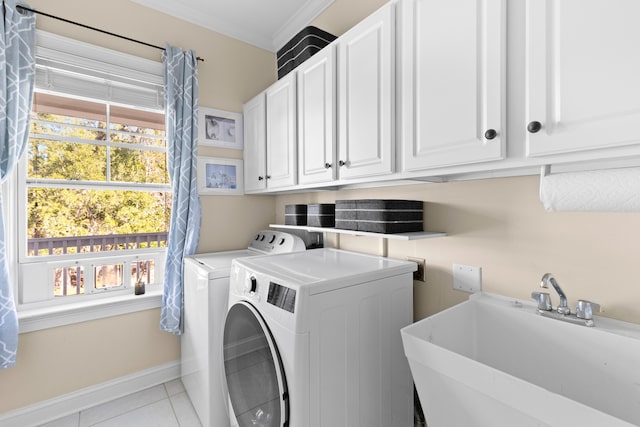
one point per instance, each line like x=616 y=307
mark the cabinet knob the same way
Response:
x=342 y=163
x=268 y=177
x=490 y=134
x=534 y=126
x=260 y=178
x=327 y=165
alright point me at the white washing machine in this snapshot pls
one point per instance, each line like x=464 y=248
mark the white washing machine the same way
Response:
x=313 y=339
x=206 y=292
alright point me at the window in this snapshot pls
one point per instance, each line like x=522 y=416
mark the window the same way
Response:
x=94 y=205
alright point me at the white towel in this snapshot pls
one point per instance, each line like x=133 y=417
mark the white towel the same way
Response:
x=609 y=190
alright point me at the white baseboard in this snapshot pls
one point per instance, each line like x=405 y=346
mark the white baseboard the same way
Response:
x=49 y=410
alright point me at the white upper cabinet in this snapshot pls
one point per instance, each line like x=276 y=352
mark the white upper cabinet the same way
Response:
x=281 y=133
x=452 y=80
x=583 y=75
x=366 y=96
x=255 y=145
x=317 y=118
x=573 y=95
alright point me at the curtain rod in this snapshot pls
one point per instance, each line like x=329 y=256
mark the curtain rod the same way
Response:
x=93 y=28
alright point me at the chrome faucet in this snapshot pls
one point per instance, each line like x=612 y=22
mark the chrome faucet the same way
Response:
x=563 y=307
x=584 y=310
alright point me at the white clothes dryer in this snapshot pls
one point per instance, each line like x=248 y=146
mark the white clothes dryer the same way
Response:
x=206 y=290
x=313 y=339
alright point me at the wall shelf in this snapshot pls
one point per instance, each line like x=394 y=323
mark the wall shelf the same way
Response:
x=418 y=235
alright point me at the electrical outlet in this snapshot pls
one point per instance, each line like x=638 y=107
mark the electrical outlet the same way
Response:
x=467 y=278
x=420 y=273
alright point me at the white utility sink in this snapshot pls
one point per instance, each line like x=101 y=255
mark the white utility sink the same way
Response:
x=493 y=361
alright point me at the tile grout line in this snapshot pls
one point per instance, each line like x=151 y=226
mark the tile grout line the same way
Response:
x=166 y=396
x=126 y=412
x=129 y=411
x=173 y=409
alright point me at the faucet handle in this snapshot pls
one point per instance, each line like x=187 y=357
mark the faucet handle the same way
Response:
x=543 y=299
x=585 y=309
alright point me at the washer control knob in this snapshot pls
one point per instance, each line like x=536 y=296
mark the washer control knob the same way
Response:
x=251 y=286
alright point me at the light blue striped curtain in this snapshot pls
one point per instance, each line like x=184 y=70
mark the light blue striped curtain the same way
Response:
x=181 y=103
x=17 y=68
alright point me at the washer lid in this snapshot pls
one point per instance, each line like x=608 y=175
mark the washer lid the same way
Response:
x=323 y=270
x=218 y=264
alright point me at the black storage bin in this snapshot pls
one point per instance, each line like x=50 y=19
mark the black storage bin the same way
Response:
x=301 y=47
x=321 y=215
x=346 y=215
x=295 y=214
x=380 y=216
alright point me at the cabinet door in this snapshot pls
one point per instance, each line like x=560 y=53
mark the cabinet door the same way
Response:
x=255 y=144
x=316 y=118
x=281 y=133
x=452 y=82
x=366 y=96
x=583 y=75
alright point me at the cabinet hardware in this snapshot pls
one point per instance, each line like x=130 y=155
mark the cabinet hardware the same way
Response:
x=490 y=134
x=534 y=126
x=327 y=165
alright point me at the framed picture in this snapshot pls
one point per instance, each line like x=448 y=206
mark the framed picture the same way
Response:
x=217 y=128
x=220 y=176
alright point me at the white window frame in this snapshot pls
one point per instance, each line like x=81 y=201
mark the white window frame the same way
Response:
x=43 y=309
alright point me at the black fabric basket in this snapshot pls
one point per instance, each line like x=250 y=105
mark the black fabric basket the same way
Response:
x=321 y=215
x=301 y=47
x=295 y=214
x=380 y=216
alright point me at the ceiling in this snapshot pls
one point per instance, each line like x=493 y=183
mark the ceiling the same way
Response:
x=266 y=24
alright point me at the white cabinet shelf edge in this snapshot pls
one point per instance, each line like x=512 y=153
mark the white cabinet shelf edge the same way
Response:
x=418 y=235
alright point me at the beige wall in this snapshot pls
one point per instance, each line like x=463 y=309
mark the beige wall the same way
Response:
x=501 y=226
x=56 y=361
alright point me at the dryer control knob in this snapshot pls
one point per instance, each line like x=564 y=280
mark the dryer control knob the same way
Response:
x=251 y=285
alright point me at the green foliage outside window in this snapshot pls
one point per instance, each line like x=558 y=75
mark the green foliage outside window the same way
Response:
x=82 y=160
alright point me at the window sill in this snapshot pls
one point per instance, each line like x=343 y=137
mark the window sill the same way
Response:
x=50 y=317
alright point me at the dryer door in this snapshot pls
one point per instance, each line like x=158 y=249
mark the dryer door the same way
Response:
x=253 y=368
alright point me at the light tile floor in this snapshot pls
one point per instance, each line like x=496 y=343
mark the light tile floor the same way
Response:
x=165 y=405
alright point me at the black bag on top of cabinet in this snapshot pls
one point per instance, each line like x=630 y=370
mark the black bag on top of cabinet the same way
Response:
x=301 y=47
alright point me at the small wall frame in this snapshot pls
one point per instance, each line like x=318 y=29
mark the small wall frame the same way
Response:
x=217 y=128
x=220 y=176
